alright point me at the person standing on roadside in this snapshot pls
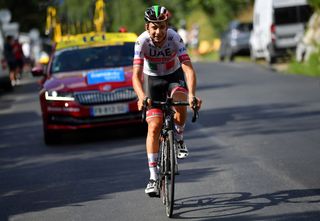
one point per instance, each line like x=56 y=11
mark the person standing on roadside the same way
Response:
x=182 y=31
x=19 y=58
x=10 y=57
x=194 y=38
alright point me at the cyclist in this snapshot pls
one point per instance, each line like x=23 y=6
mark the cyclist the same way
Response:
x=162 y=67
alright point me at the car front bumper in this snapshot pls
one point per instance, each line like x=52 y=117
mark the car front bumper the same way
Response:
x=70 y=115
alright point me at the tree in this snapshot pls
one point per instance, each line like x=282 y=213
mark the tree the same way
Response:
x=315 y=4
x=76 y=16
x=29 y=14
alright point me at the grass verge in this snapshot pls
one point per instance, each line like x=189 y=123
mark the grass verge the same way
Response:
x=309 y=68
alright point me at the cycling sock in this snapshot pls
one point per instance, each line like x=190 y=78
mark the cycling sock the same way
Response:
x=178 y=132
x=152 y=162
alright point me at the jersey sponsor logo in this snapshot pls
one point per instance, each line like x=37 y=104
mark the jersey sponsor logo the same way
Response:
x=165 y=53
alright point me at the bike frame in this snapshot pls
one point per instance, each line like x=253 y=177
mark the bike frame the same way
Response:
x=167 y=160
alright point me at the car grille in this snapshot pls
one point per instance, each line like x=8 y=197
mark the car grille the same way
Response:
x=97 y=97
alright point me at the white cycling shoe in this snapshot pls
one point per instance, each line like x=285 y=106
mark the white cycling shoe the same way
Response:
x=152 y=188
x=182 y=150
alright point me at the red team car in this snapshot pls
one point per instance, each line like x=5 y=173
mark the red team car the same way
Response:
x=88 y=84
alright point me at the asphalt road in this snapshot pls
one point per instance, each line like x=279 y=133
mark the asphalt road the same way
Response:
x=254 y=155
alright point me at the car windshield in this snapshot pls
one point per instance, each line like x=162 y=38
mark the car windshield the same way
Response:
x=75 y=59
x=245 y=27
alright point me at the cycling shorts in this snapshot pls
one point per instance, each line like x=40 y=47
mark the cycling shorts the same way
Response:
x=158 y=88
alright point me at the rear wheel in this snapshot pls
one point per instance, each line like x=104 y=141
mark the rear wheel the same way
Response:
x=270 y=56
x=271 y=59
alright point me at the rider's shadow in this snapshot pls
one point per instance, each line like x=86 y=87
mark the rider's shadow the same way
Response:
x=243 y=206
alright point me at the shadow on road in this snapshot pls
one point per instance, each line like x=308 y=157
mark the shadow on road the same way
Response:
x=242 y=206
x=262 y=119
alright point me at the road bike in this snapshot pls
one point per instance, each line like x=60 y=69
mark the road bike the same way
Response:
x=167 y=160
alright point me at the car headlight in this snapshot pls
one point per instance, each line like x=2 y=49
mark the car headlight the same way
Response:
x=59 y=96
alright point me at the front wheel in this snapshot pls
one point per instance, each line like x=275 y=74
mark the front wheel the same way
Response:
x=51 y=137
x=252 y=55
x=170 y=175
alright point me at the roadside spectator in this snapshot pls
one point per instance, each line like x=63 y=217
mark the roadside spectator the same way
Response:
x=194 y=38
x=183 y=32
x=19 y=57
x=10 y=57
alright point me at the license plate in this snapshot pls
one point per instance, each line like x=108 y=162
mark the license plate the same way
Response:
x=110 y=109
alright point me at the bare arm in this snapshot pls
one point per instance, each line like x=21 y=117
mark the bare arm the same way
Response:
x=191 y=80
x=138 y=85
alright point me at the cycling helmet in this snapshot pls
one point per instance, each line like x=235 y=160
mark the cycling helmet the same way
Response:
x=156 y=13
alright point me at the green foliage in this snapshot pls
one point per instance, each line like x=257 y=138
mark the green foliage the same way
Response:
x=223 y=11
x=315 y=4
x=76 y=16
x=217 y=12
x=128 y=13
x=76 y=10
x=309 y=68
x=29 y=14
x=203 y=20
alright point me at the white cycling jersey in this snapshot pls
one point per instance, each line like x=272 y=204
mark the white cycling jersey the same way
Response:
x=160 y=61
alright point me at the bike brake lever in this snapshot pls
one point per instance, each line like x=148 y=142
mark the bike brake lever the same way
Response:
x=195 y=110
x=195 y=115
x=144 y=109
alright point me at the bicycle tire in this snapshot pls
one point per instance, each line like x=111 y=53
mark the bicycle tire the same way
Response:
x=162 y=169
x=169 y=178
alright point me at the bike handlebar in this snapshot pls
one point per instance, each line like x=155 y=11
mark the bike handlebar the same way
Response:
x=169 y=103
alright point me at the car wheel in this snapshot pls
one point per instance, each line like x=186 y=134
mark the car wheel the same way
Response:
x=231 y=58
x=252 y=56
x=230 y=55
x=270 y=59
x=51 y=137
